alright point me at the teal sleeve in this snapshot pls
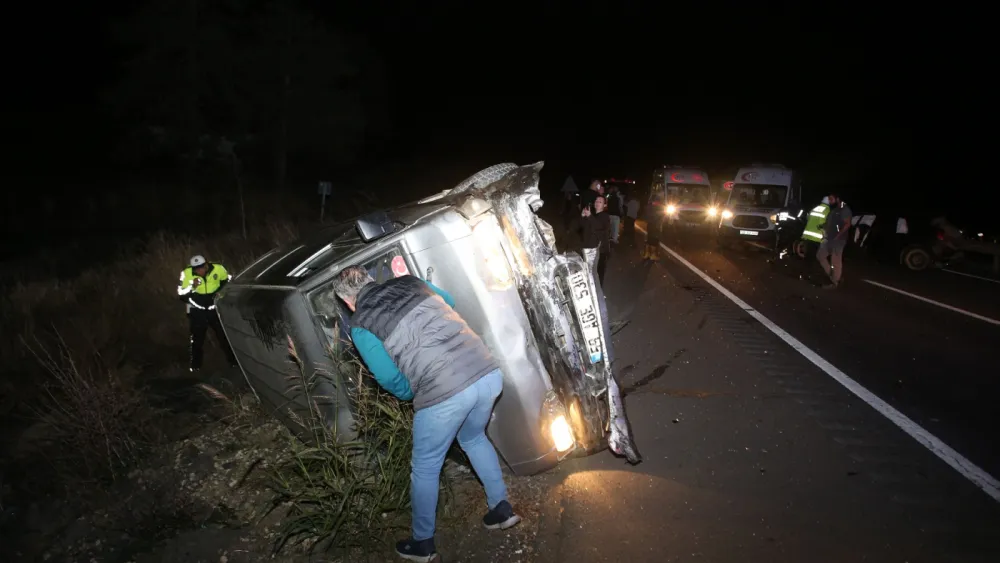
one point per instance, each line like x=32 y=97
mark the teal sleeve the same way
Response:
x=444 y=294
x=380 y=364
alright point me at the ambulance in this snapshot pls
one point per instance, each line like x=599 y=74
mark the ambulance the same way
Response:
x=760 y=199
x=689 y=200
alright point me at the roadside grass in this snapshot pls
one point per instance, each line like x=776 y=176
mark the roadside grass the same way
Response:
x=81 y=352
x=346 y=497
x=85 y=351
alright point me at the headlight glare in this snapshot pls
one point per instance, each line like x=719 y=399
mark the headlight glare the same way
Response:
x=562 y=434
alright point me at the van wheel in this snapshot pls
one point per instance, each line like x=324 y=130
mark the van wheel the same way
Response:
x=484 y=177
x=915 y=258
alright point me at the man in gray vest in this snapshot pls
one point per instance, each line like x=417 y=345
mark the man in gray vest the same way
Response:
x=419 y=348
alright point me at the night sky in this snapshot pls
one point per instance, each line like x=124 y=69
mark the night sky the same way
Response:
x=887 y=105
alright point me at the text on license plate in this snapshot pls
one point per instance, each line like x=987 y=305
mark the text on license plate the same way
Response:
x=751 y=233
x=588 y=315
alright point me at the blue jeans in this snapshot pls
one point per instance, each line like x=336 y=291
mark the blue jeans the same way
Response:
x=464 y=415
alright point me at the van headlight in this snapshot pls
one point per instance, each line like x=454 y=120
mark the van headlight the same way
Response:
x=555 y=424
x=712 y=212
x=727 y=214
x=671 y=210
x=562 y=434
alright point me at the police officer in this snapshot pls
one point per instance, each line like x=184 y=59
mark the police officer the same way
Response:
x=817 y=218
x=199 y=283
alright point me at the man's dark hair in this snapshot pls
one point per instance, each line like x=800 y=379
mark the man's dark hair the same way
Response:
x=349 y=282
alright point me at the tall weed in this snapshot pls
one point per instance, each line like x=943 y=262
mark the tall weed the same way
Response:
x=343 y=495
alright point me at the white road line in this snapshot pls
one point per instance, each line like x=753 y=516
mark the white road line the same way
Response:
x=970 y=275
x=959 y=463
x=933 y=302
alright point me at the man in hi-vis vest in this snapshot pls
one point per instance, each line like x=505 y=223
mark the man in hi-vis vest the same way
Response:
x=199 y=283
x=817 y=218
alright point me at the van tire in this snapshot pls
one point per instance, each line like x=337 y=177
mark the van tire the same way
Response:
x=915 y=258
x=483 y=178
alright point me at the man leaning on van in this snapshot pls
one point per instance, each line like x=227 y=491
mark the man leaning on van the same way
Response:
x=418 y=347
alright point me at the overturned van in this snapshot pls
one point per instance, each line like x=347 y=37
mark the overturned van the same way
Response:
x=540 y=312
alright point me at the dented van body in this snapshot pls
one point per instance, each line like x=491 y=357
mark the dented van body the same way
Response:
x=539 y=311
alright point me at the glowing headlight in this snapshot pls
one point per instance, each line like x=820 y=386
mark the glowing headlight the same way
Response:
x=712 y=212
x=671 y=210
x=727 y=214
x=562 y=434
x=773 y=218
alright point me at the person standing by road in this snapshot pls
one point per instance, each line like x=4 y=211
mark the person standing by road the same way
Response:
x=597 y=234
x=631 y=214
x=654 y=222
x=614 y=211
x=589 y=195
x=418 y=347
x=835 y=233
x=200 y=282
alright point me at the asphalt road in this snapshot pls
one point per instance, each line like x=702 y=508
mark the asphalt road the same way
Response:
x=753 y=453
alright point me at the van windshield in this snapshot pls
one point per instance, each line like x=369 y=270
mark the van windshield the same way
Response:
x=689 y=194
x=758 y=195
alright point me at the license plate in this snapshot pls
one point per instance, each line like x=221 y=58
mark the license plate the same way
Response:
x=588 y=314
x=751 y=233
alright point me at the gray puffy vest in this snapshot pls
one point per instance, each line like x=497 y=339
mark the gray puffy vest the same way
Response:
x=431 y=344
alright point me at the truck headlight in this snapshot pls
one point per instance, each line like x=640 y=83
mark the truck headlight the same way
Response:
x=562 y=434
x=671 y=210
x=712 y=212
x=727 y=214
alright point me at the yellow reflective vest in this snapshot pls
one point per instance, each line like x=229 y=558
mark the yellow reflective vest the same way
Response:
x=816 y=222
x=202 y=295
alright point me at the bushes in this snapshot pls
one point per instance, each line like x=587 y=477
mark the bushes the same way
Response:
x=346 y=495
x=96 y=422
x=86 y=347
x=92 y=343
x=127 y=310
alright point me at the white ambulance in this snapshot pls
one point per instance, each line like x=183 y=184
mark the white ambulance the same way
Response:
x=689 y=200
x=759 y=197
